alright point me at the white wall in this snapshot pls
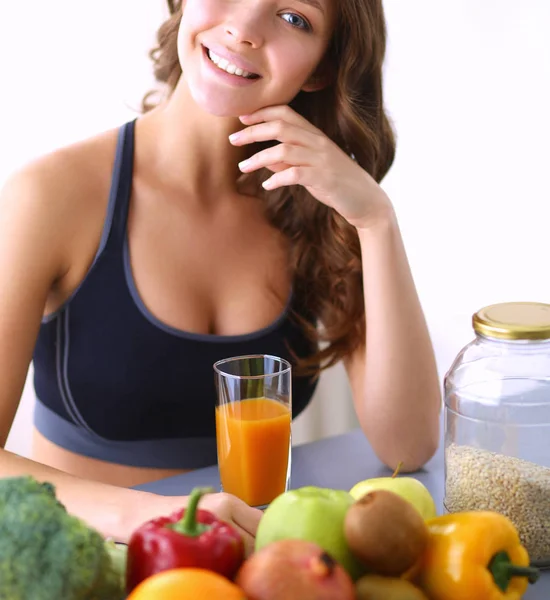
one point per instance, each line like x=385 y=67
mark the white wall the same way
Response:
x=467 y=86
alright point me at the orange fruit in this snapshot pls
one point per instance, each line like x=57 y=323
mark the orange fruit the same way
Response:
x=186 y=584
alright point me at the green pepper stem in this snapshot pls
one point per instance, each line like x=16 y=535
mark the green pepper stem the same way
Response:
x=188 y=524
x=530 y=572
x=503 y=571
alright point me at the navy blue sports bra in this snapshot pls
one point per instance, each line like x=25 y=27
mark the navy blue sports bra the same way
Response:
x=115 y=383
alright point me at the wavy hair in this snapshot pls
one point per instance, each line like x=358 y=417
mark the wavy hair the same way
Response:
x=325 y=251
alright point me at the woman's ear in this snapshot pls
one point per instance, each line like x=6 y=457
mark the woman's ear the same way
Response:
x=322 y=78
x=314 y=84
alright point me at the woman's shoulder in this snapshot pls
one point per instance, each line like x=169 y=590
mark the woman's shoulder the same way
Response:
x=81 y=166
x=68 y=187
x=64 y=192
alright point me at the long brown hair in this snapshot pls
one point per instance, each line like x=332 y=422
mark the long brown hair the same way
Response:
x=325 y=249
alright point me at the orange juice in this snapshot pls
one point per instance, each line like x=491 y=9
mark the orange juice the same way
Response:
x=253 y=439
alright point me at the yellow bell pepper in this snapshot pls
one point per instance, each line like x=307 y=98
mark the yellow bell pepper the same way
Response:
x=474 y=555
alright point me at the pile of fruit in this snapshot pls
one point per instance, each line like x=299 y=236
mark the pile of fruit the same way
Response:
x=381 y=541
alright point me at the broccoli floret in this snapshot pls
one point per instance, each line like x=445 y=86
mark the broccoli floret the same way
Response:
x=48 y=554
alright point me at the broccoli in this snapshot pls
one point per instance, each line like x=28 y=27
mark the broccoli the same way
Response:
x=48 y=554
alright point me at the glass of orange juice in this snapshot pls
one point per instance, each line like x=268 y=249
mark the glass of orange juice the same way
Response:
x=253 y=426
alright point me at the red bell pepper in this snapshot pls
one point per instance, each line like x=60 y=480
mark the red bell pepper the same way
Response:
x=187 y=538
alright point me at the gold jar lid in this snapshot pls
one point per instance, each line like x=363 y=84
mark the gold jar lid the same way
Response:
x=514 y=321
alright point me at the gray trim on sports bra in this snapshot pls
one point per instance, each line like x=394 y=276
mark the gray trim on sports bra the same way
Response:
x=176 y=453
x=111 y=206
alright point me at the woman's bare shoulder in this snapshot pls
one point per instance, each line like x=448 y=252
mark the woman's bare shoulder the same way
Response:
x=64 y=192
x=82 y=166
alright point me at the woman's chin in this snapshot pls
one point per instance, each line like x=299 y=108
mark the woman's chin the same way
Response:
x=219 y=106
x=222 y=111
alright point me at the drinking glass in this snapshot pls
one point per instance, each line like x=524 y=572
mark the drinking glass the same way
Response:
x=253 y=426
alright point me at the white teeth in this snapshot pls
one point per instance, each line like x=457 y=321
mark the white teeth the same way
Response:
x=225 y=65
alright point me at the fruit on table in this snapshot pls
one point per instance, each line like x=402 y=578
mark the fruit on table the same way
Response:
x=315 y=515
x=46 y=553
x=294 y=570
x=409 y=488
x=476 y=555
x=378 y=587
x=186 y=584
x=188 y=538
x=385 y=532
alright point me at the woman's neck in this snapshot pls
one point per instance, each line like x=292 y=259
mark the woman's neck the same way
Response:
x=189 y=149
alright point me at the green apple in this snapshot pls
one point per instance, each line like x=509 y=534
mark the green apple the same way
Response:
x=408 y=488
x=315 y=515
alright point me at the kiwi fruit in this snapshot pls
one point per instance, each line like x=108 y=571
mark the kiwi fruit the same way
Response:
x=385 y=532
x=377 y=587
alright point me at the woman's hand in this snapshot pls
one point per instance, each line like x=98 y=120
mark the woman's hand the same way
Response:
x=307 y=157
x=233 y=510
x=229 y=508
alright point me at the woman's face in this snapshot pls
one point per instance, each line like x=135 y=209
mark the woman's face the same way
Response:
x=238 y=56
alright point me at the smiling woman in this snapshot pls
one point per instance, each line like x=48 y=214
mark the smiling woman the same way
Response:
x=283 y=46
x=359 y=38
x=228 y=219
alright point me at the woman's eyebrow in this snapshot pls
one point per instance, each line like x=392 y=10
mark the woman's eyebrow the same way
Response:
x=314 y=3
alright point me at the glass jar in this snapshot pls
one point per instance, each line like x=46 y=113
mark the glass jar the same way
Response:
x=497 y=422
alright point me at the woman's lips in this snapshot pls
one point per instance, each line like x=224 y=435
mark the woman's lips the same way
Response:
x=232 y=59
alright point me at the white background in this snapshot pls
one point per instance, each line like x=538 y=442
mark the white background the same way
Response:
x=467 y=86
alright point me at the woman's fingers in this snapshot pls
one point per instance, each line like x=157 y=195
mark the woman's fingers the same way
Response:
x=247 y=520
x=279 y=130
x=281 y=112
x=282 y=154
x=246 y=517
x=248 y=539
x=233 y=510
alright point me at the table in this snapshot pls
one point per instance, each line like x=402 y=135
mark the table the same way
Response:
x=336 y=462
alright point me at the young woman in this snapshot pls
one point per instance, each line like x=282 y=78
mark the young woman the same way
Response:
x=241 y=214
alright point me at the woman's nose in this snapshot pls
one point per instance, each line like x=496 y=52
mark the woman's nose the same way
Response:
x=246 y=26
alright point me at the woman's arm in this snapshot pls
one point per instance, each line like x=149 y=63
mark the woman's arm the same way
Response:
x=39 y=220
x=35 y=225
x=394 y=377
x=35 y=232
x=394 y=380
x=113 y=511
x=116 y=512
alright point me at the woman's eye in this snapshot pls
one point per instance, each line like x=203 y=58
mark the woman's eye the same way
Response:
x=297 y=21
